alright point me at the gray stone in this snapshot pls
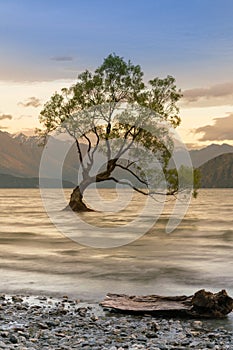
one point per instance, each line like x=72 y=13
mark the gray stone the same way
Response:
x=13 y=339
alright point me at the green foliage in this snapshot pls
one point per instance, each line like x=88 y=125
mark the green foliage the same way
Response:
x=182 y=179
x=196 y=182
x=115 y=81
x=163 y=98
x=114 y=104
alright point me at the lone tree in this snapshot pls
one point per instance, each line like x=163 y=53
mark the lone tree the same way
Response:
x=113 y=111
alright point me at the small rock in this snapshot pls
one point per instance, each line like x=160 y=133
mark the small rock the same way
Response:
x=13 y=339
x=154 y=327
x=4 y=334
x=141 y=338
x=60 y=335
x=94 y=318
x=52 y=323
x=42 y=325
x=197 y=324
x=151 y=335
x=82 y=311
x=16 y=299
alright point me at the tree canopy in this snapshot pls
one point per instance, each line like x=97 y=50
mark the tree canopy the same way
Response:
x=114 y=112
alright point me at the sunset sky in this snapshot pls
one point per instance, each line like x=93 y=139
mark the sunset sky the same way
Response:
x=45 y=44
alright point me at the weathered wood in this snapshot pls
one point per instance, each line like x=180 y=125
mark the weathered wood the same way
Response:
x=201 y=304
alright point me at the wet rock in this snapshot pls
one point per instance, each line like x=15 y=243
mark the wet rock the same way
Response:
x=198 y=324
x=82 y=311
x=13 y=339
x=212 y=304
x=59 y=324
x=17 y=299
x=4 y=334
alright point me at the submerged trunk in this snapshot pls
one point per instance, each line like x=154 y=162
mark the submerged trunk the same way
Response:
x=76 y=201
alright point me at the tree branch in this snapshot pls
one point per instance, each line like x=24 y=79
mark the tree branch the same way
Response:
x=80 y=153
x=111 y=178
x=78 y=148
x=125 y=138
x=97 y=143
x=108 y=130
x=89 y=142
x=89 y=145
x=128 y=184
x=131 y=172
x=120 y=153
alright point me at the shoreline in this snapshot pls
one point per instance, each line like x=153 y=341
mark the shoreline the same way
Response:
x=47 y=322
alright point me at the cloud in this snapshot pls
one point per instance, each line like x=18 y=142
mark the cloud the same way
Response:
x=5 y=116
x=218 y=94
x=192 y=146
x=28 y=131
x=31 y=102
x=221 y=130
x=62 y=58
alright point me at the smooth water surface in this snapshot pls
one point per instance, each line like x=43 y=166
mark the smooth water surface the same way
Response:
x=36 y=258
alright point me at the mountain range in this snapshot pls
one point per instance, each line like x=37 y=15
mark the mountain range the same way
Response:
x=20 y=157
x=218 y=172
x=199 y=157
x=10 y=181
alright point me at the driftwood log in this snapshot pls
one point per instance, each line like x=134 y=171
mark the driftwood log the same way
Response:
x=201 y=304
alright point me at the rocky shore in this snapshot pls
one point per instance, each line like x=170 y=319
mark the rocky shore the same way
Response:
x=46 y=323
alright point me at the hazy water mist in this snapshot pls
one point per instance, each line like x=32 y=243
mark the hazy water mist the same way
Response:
x=36 y=258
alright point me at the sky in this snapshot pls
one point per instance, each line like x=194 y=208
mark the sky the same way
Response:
x=45 y=44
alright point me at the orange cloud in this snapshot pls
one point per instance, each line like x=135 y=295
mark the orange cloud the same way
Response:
x=31 y=102
x=219 y=94
x=5 y=116
x=221 y=130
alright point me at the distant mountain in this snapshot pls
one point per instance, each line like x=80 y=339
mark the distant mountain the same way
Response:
x=203 y=155
x=200 y=156
x=9 y=181
x=17 y=157
x=218 y=172
x=20 y=156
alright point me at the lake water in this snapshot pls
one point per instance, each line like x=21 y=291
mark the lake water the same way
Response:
x=36 y=258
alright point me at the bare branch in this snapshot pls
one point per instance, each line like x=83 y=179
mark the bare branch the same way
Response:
x=78 y=148
x=131 y=172
x=131 y=163
x=97 y=143
x=89 y=142
x=125 y=138
x=120 y=153
x=80 y=153
x=108 y=130
x=128 y=184
x=89 y=145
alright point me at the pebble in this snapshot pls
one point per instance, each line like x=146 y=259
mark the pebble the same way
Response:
x=31 y=323
x=13 y=339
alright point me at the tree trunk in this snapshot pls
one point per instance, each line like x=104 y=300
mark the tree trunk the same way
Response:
x=76 y=201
